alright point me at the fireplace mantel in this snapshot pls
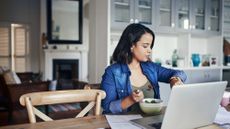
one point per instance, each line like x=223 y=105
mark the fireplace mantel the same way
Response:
x=81 y=55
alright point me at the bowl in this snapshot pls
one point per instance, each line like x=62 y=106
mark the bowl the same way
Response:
x=151 y=106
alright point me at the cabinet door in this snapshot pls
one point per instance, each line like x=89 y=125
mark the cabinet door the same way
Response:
x=198 y=15
x=226 y=19
x=144 y=11
x=213 y=15
x=122 y=13
x=183 y=14
x=199 y=76
x=165 y=16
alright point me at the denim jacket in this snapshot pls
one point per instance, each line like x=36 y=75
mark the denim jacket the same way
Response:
x=116 y=83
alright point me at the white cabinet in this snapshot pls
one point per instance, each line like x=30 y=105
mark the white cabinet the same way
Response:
x=203 y=75
x=199 y=16
x=124 y=12
x=226 y=19
x=169 y=16
x=165 y=18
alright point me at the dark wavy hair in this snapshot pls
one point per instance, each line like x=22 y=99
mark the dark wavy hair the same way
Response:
x=130 y=36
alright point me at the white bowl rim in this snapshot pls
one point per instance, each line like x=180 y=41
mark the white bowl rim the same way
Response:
x=142 y=101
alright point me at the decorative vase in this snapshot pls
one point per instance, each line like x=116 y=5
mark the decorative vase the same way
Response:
x=195 y=60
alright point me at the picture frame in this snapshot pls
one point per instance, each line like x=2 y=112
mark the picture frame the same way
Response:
x=213 y=61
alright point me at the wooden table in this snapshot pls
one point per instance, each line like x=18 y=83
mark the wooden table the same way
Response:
x=90 y=122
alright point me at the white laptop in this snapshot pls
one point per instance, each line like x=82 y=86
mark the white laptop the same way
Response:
x=190 y=106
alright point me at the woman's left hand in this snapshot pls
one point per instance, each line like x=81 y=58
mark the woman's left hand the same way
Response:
x=174 y=81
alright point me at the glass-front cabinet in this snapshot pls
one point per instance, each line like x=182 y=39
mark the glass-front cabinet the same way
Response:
x=183 y=14
x=144 y=11
x=196 y=16
x=165 y=17
x=226 y=20
x=125 y=12
x=214 y=12
x=198 y=13
x=122 y=11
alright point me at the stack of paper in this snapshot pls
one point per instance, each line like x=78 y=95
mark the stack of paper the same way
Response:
x=122 y=121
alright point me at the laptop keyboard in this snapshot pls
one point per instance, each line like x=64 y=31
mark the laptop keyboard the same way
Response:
x=156 y=125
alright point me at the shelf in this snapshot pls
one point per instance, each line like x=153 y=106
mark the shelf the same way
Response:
x=202 y=68
x=214 y=17
x=122 y=4
x=199 y=15
x=183 y=12
x=227 y=20
x=144 y=7
x=165 y=10
x=198 y=68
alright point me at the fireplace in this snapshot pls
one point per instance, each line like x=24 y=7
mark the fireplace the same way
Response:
x=64 y=71
x=75 y=59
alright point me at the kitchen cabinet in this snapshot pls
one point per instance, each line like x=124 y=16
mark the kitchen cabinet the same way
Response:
x=214 y=12
x=183 y=14
x=199 y=16
x=124 y=12
x=226 y=19
x=203 y=75
x=165 y=16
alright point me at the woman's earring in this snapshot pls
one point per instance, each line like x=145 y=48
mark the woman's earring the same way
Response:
x=131 y=49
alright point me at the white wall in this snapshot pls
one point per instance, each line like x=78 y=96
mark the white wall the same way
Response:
x=79 y=47
x=25 y=12
x=99 y=31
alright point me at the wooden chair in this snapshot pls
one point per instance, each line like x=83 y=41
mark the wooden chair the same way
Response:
x=30 y=100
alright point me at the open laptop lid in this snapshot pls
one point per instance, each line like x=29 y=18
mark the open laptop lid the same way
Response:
x=193 y=105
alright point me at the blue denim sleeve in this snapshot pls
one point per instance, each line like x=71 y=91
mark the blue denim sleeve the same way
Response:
x=111 y=104
x=164 y=74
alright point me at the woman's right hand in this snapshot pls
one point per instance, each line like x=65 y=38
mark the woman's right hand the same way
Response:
x=137 y=95
x=132 y=99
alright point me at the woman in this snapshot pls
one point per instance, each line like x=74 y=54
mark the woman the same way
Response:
x=133 y=70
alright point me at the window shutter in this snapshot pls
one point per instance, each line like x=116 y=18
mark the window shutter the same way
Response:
x=5 y=46
x=20 y=49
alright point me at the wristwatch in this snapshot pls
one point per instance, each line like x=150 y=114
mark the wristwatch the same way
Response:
x=174 y=78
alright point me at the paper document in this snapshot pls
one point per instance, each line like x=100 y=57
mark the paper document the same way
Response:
x=223 y=118
x=122 y=121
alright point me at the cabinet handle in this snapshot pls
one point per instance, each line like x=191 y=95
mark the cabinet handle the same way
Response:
x=131 y=20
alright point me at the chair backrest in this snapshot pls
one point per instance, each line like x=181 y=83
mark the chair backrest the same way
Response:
x=30 y=100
